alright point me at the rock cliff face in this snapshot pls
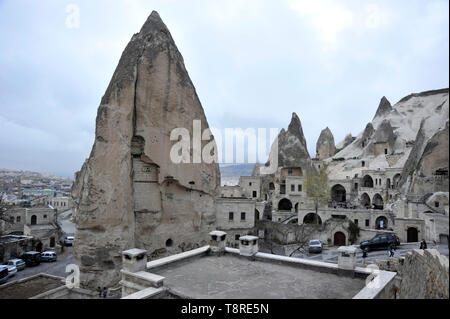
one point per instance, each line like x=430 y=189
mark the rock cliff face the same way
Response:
x=384 y=107
x=396 y=138
x=325 y=146
x=129 y=193
x=292 y=149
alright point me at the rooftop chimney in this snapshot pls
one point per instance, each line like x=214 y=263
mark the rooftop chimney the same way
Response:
x=248 y=245
x=217 y=242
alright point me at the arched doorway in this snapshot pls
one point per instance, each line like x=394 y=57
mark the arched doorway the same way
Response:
x=377 y=201
x=365 y=200
x=256 y=215
x=33 y=220
x=381 y=223
x=312 y=218
x=412 y=235
x=284 y=204
x=338 y=194
x=367 y=181
x=396 y=180
x=339 y=239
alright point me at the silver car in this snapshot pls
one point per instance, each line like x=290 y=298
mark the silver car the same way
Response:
x=315 y=246
x=68 y=241
x=18 y=263
x=11 y=270
x=48 y=256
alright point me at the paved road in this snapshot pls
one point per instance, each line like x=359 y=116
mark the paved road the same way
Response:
x=64 y=220
x=57 y=268
x=331 y=254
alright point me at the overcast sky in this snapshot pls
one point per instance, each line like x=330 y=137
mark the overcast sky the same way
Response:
x=253 y=63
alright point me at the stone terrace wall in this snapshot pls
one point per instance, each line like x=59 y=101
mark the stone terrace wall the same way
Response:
x=423 y=273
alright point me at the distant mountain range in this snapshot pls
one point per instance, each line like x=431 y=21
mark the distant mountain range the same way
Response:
x=230 y=173
x=236 y=170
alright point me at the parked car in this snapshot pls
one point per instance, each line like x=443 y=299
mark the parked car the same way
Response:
x=48 y=256
x=4 y=274
x=11 y=270
x=68 y=241
x=18 y=263
x=31 y=258
x=380 y=241
x=315 y=246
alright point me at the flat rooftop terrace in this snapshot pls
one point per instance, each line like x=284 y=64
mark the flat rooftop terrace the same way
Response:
x=230 y=276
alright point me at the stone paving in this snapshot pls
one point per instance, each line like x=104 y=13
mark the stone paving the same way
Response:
x=234 y=277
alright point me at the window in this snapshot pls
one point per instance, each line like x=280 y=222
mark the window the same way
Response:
x=254 y=194
x=11 y=219
x=436 y=204
x=230 y=216
x=363 y=163
x=236 y=237
x=292 y=188
x=356 y=222
x=18 y=219
x=45 y=216
x=299 y=188
x=250 y=184
x=290 y=171
x=367 y=222
x=243 y=216
x=385 y=151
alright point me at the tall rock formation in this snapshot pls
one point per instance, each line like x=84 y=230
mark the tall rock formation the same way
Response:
x=383 y=108
x=292 y=149
x=129 y=193
x=325 y=147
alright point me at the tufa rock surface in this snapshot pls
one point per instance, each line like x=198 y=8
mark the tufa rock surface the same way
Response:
x=325 y=146
x=292 y=149
x=383 y=108
x=129 y=193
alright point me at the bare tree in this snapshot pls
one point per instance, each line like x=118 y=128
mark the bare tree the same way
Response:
x=4 y=216
x=317 y=189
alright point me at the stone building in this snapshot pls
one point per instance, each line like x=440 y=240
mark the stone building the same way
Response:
x=36 y=222
x=60 y=203
x=381 y=180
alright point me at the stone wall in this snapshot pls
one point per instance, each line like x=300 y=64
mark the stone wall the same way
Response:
x=286 y=234
x=423 y=274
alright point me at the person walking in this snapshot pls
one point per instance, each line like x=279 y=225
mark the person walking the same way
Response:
x=105 y=292
x=423 y=244
x=364 y=256
x=391 y=250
